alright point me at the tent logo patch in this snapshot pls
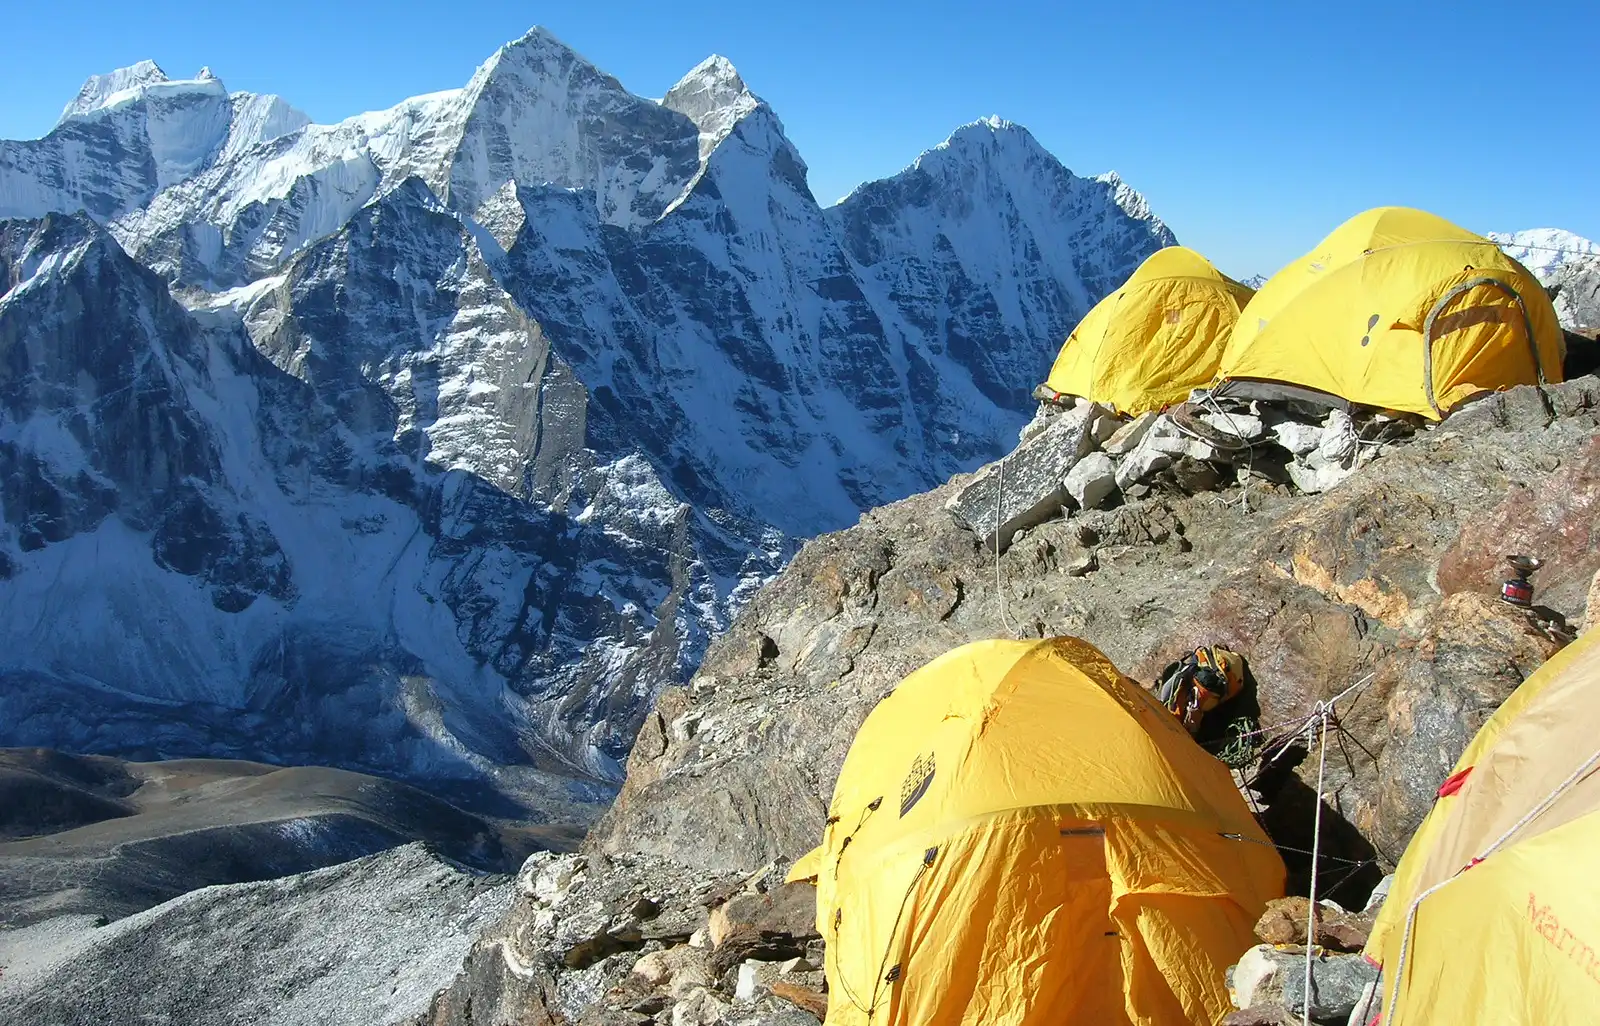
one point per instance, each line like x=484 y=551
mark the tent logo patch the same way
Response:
x=916 y=783
x=1548 y=925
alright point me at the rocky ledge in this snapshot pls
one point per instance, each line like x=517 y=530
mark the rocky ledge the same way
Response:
x=1389 y=577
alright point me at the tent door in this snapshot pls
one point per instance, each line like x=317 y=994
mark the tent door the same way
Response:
x=1445 y=300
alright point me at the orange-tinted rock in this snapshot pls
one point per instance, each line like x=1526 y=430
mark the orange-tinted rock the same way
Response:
x=812 y=1001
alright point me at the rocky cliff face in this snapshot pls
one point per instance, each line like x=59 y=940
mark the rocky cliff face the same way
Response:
x=1390 y=577
x=1576 y=291
x=236 y=561
x=437 y=441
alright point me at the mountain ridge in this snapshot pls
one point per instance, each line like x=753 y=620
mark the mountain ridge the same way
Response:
x=501 y=402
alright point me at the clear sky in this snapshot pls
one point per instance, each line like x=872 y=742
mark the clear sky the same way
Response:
x=1253 y=128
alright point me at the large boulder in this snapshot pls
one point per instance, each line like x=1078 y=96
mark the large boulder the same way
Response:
x=1027 y=486
x=770 y=927
x=1092 y=481
x=1576 y=293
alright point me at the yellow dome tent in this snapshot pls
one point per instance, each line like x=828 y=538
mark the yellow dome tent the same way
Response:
x=1158 y=337
x=1494 y=915
x=1398 y=310
x=1022 y=835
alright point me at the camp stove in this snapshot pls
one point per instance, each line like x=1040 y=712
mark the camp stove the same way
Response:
x=1518 y=589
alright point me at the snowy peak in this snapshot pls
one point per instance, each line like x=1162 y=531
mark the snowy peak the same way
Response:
x=99 y=89
x=259 y=118
x=714 y=97
x=537 y=111
x=995 y=161
x=1567 y=265
x=1544 y=250
x=990 y=137
x=1130 y=200
x=128 y=136
x=714 y=82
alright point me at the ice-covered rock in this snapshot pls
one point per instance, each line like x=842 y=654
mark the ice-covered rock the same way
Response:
x=262 y=562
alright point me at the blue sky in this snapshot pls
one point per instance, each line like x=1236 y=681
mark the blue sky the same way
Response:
x=1253 y=128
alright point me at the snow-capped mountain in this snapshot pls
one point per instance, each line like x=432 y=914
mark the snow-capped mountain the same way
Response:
x=206 y=554
x=130 y=135
x=1544 y=250
x=1568 y=265
x=436 y=441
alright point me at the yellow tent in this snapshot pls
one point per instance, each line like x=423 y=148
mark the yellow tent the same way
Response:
x=1022 y=835
x=1494 y=907
x=1151 y=342
x=1399 y=310
x=806 y=869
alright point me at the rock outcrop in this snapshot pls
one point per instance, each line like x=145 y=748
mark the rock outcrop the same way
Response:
x=1321 y=592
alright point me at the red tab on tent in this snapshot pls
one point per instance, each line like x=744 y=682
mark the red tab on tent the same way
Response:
x=1453 y=784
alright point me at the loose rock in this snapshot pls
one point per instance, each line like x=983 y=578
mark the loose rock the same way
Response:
x=1026 y=485
x=813 y=1001
x=1243 y=426
x=1296 y=437
x=1339 y=441
x=1092 y=481
x=1142 y=463
x=1126 y=438
x=698 y=1008
x=1268 y=976
x=1284 y=922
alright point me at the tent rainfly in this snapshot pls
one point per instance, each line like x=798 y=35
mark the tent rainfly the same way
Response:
x=1398 y=310
x=1154 y=340
x=1493 y=915
x=1022 y=835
